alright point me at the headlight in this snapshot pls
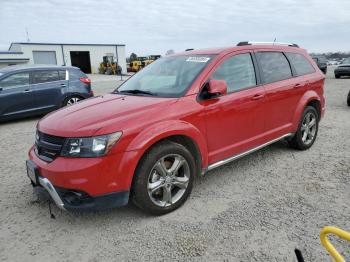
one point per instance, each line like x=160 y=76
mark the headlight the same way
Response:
x=89 y=146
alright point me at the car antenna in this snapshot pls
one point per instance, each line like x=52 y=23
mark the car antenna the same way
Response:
x=50 y=211
x=274 y=41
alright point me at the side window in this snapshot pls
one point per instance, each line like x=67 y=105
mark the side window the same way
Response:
x=76 y=74
x=45 y=76
x=14 y=80
x=301 y=65
x=238 y=72
x=274 y=66
x=62 y=74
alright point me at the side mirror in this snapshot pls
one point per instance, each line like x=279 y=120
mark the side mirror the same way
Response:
x=217 y=87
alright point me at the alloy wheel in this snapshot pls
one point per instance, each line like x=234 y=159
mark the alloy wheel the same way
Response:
x=308 y=128
x=73 y=100
x=168 y=180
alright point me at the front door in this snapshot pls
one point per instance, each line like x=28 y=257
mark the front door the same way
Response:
x=15 y=95
x=235 y=121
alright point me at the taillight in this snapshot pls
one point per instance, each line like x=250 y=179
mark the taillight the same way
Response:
x=85 y=80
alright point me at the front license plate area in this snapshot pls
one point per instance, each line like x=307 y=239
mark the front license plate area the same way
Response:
x=32 y=172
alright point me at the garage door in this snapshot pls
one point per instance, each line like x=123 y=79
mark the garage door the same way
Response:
x=45 y=57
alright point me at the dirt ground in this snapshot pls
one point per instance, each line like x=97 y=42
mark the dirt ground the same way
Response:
x=258 y=208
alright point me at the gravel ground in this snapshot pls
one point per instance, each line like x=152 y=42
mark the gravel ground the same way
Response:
x=258 y=208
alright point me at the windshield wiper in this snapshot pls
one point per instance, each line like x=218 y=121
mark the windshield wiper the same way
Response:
x=136 y=91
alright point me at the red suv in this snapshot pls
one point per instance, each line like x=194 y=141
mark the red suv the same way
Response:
x=176 y=119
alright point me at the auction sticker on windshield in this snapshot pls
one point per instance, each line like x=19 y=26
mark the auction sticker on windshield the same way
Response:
x=198 y=59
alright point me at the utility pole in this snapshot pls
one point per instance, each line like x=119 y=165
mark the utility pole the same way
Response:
x=27 y=34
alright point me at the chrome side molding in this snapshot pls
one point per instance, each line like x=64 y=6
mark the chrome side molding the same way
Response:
x=235 y=157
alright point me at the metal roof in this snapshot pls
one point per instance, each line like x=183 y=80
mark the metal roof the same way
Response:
x=33 y=43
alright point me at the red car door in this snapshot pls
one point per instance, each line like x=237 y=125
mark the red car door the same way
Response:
x=281 y=92
x=235 y=121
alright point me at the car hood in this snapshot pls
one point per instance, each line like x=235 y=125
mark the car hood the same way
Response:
x=103 y=115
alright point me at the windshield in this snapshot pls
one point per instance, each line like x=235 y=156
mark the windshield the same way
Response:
x=346 y=61
x=166 y=77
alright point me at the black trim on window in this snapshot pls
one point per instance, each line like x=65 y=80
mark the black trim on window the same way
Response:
x=257 y=69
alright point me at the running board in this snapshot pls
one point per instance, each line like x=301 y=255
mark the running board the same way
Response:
x=235 y=157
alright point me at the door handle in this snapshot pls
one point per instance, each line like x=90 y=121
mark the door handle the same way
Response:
x=257 y=96
x=27 y=91
x=297 y=85
x=63 y=85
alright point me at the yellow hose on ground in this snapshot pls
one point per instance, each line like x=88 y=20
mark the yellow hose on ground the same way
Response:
x=327 y=244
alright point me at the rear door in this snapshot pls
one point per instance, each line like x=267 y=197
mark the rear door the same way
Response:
x=276 y=75
x=48 y=88
x=16 y=96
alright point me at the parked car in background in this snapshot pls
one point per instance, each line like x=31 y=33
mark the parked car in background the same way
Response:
x=34 y=90
x=178 y=118
x=343 y=69
x=321 y=62
x=333 y=62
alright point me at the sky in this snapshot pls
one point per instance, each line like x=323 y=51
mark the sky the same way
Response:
x=154 y=26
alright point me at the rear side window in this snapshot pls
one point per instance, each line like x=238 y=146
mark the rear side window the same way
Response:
x=62 y=74
x=238 y=72
x=301 y=65
x=76 y=74
x=45 y=76
x=14 y=80
x=274 y=66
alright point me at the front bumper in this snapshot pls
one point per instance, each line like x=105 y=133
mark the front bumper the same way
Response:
x=86 y=183
x=45 y=183
x=67 y=199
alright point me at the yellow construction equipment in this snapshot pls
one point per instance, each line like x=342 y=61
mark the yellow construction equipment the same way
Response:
x=141 y=62
x=109 y=67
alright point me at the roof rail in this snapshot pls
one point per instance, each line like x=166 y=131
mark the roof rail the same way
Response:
x=265 y=43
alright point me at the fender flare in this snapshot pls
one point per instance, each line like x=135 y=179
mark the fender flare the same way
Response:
x=149 y=136
x=309 y=96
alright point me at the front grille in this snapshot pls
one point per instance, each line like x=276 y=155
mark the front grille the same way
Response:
x=48 y=147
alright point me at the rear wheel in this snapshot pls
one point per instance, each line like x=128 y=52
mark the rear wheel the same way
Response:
x=72 y=100
x=164 y=178
x=307 y=130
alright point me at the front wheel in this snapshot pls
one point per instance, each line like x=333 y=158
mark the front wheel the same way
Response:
x=164 y=178
x=307 y=130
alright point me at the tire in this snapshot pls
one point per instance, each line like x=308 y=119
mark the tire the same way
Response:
x=71 y=100
x=302 y=141
x=157 y=190
x=348 y=101
x=337 y=76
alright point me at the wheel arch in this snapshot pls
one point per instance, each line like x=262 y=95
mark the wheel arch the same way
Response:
x=310 y=98
x=68 y=95
x=176 y=131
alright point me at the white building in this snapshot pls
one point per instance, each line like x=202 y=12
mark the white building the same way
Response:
x=85 y=56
